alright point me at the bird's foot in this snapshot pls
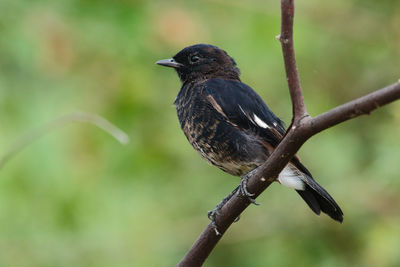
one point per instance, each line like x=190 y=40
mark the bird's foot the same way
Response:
x=212 y=214
x=243 y=189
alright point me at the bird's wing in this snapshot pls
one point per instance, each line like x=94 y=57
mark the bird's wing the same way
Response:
x=243 y=107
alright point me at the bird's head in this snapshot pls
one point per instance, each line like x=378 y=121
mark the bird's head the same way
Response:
x=202 y=61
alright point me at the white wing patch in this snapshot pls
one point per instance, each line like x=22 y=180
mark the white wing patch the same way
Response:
x=260 y=122
x=256 y=120
x=291 y=179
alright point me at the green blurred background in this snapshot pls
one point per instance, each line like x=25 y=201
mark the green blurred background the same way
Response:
x=76 y=197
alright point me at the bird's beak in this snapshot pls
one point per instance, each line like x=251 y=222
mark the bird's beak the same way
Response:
x=169 y=63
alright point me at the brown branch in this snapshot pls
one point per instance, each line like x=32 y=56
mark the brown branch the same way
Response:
x=302 y=128
x=292 y=76
x=355 y=108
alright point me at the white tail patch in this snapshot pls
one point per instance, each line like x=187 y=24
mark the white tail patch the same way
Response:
x=291 y=179
x=260 y=122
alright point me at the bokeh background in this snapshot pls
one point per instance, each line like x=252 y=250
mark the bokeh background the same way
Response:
x=76 y=197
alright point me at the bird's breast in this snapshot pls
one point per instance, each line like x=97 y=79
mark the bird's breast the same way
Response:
x=215 y=139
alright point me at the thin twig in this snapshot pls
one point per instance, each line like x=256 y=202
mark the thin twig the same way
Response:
x=361 y=106
x=76 y=116
x=286 y=39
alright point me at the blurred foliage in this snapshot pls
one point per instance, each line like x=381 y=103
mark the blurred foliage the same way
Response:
x=76 y=197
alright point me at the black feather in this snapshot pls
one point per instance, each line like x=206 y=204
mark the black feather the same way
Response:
x=240 y=103
x=316 y=196
x=229 y=124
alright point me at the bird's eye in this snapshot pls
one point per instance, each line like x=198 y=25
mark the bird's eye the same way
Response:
x=194 y=58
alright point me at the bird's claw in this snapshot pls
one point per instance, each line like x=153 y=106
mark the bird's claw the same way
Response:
x=212 y=215
x=241 y=189
x=244 y=192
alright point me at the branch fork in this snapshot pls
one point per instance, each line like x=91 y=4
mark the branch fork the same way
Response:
x=303 y=127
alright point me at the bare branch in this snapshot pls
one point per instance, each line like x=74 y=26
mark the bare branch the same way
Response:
x=302 y=128
x=286 y=39
x=355 y=108
x=266 y=173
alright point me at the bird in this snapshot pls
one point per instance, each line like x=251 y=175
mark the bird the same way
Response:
x=232 y=128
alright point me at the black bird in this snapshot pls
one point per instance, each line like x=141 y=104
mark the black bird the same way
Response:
x=230 y=126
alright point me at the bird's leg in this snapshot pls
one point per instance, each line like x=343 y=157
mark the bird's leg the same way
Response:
x=243 y=188
x=213 y=213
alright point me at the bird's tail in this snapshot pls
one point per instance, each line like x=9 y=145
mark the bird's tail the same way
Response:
x=295 y=175
x=316 y=197
x=319 y=200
